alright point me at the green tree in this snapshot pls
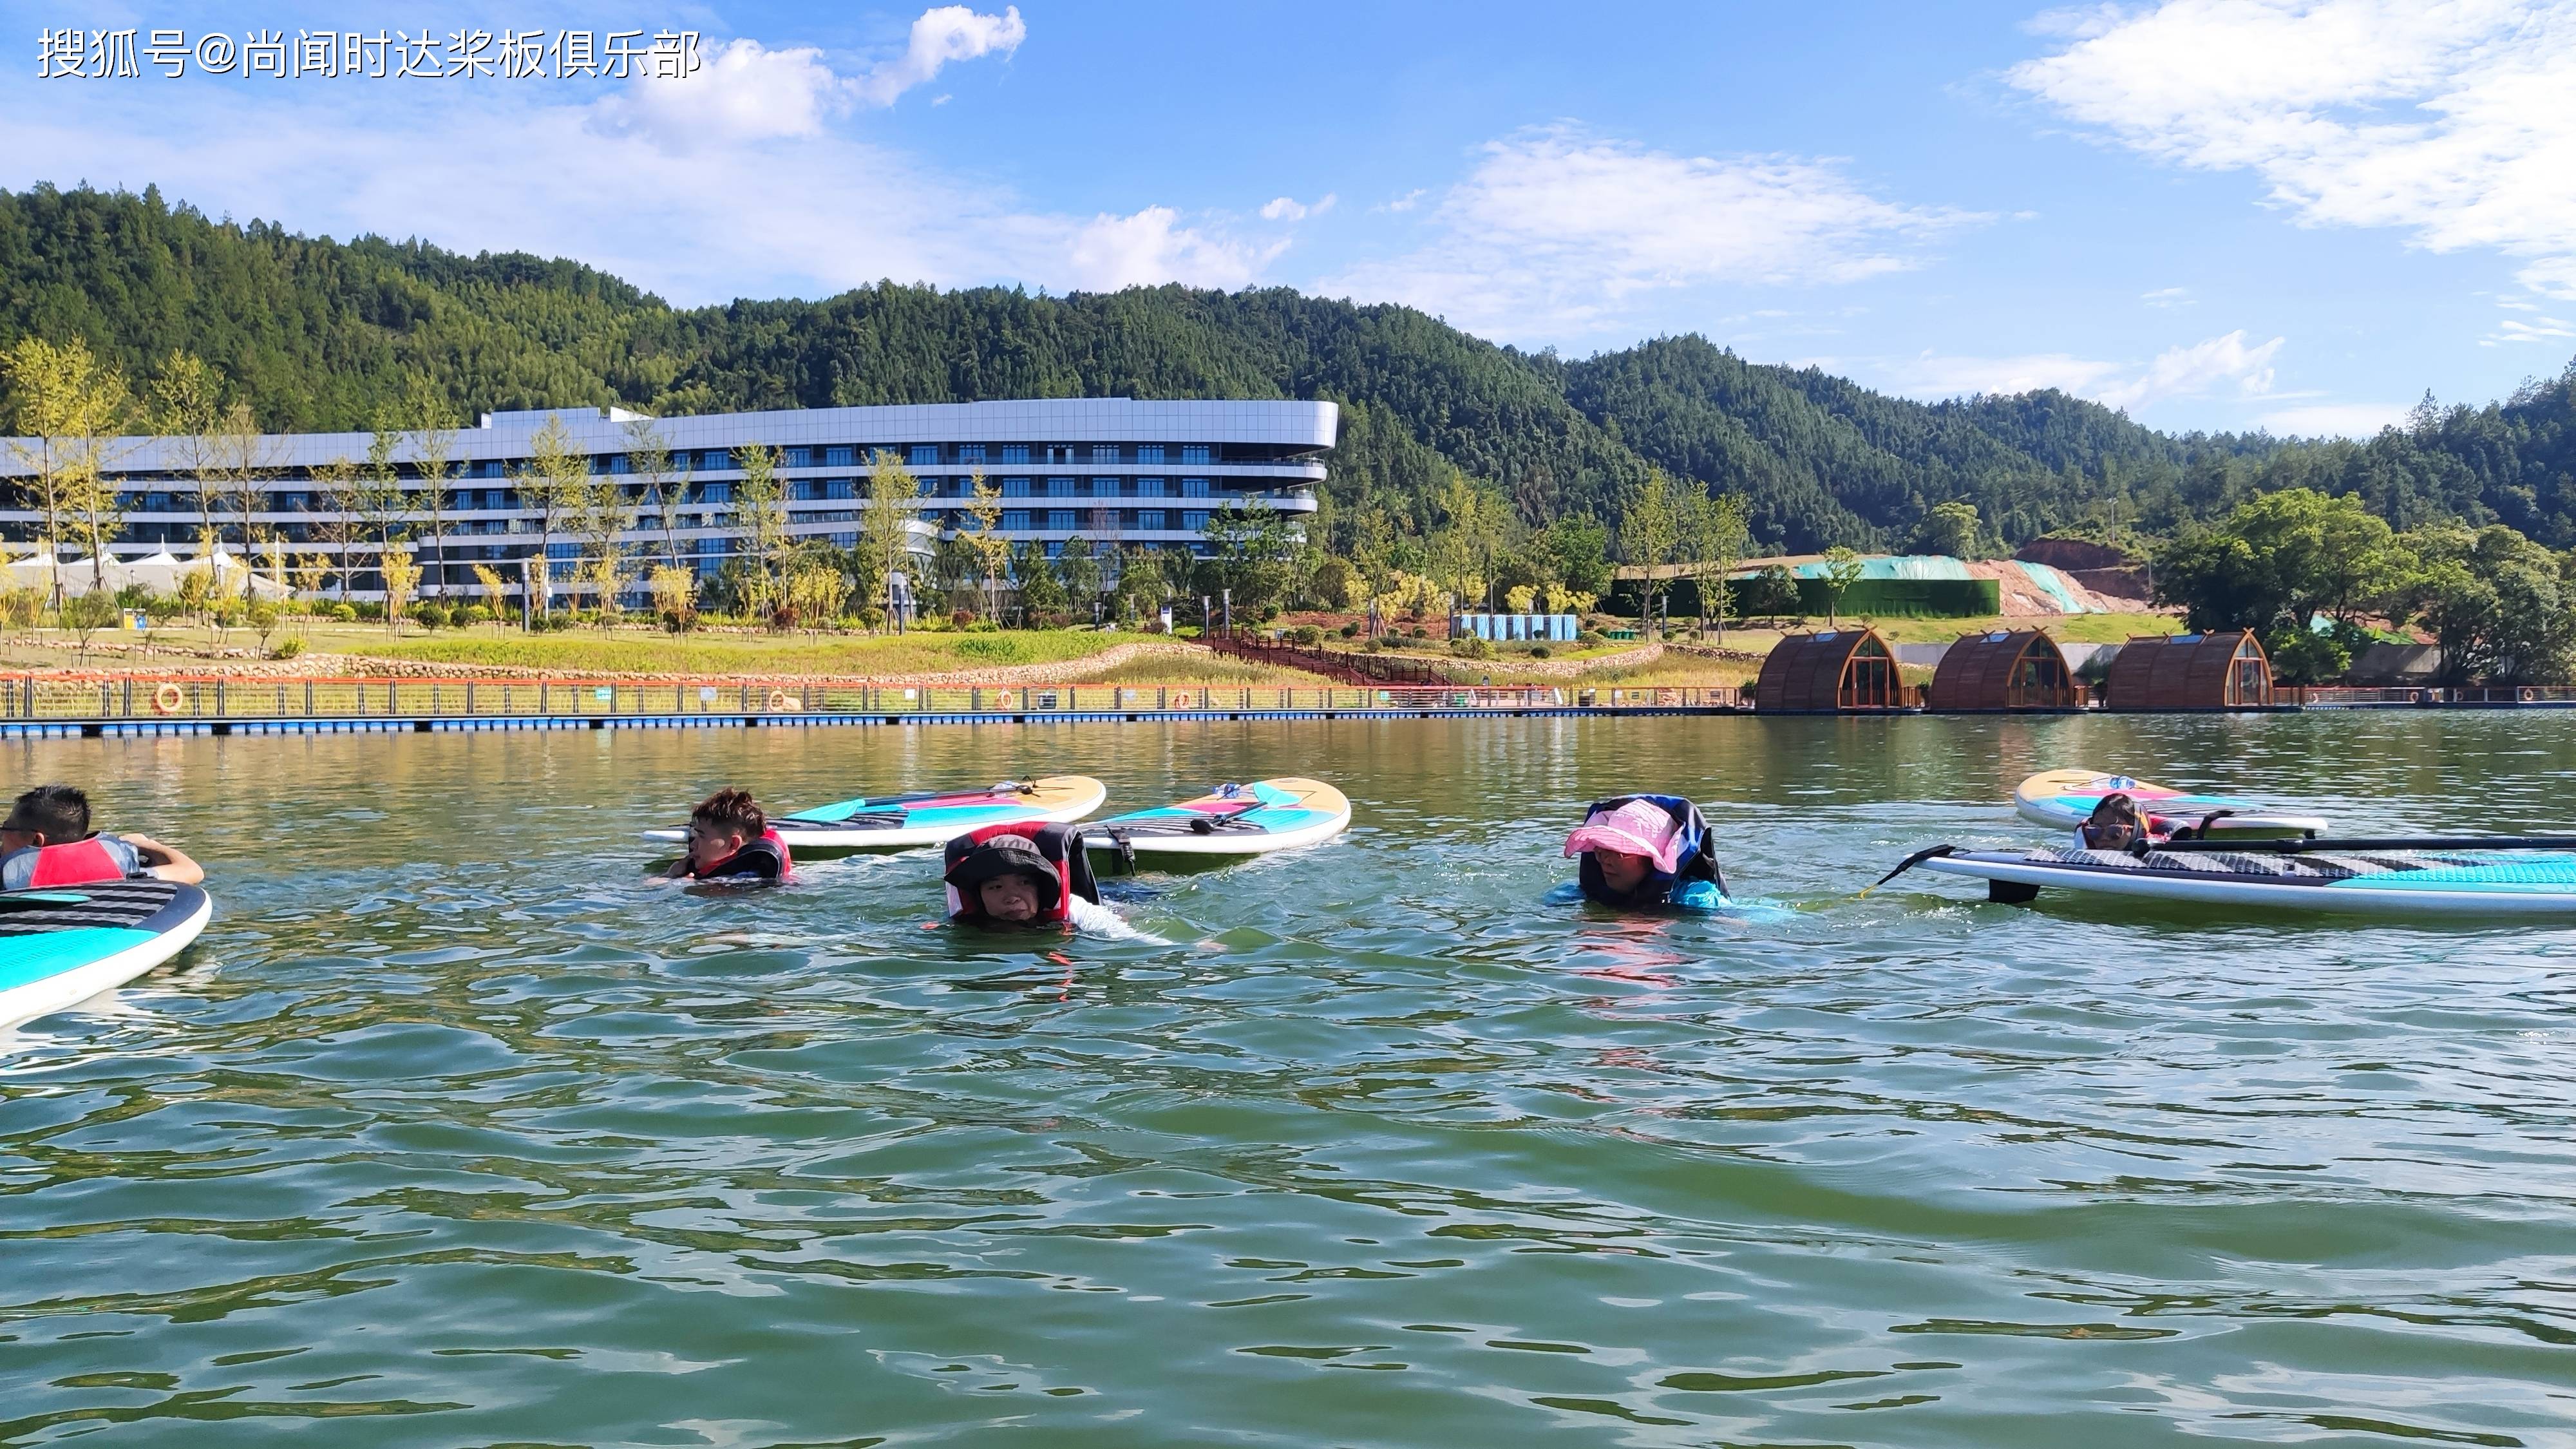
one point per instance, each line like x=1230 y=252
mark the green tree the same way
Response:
x=992 y=552
x=1650 y=534
x=1079 y=567
x=2277 y=562
x=1252 y=548
x=1576 y=550
x=1715 y=534
x=1843 y=568
x=665 y=485
x=760 y=513
x=433 y=448
x=2495 y=601
x=1951 y=529
x=70 y=409
x=186 y=406
x=553 y=482
x=885 y=536
x=1041 y=591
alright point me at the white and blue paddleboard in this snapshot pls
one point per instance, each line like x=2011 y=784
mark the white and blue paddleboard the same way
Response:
x=1231 y=820
x=929 y=817
x=2353 y=881
x=60 y=947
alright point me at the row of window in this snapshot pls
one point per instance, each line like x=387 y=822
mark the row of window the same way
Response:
x=919 y=455
x=1067 y=520
x=811 y=490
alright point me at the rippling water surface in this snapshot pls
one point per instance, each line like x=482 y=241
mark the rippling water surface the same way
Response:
x=452 y=1132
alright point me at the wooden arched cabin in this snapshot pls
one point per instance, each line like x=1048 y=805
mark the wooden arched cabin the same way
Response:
x=2223 y=670
x=2005 y=671
x=1840 y=671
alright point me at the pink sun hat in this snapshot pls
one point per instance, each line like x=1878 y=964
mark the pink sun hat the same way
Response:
x=1636 y=828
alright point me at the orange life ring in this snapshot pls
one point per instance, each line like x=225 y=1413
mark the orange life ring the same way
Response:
x=2530 y=695
x=1181 y=700
x=168 y=699
x=778 y=700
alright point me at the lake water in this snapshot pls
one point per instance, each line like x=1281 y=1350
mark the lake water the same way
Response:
x=451 y=1132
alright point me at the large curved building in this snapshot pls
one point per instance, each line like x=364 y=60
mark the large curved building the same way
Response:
x=1110 y=470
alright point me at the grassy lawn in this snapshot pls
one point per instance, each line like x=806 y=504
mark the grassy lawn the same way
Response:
x=581 y=651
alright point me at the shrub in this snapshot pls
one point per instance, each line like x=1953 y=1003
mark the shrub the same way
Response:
x=1307 y=634
x=1588 y=639
x=1539 y=651
x=982 y=626
x=962 y=617
x=345 y=613
x=287 y=649
x=1351 y=631
x=1470 y=647
x=1421 y=633
x=474 y=614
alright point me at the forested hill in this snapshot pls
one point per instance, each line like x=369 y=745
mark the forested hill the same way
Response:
x=322 y=334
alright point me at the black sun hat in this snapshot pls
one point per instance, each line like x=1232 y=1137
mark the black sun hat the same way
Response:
x=1003 y=855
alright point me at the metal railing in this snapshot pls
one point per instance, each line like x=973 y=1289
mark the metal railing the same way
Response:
x=2429 y=696
x=207 y=698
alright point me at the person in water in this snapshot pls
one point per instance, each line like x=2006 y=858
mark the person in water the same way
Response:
x=47 y=842
x=1028 y=877
x=2115 y=824
x=730 y=839
x=1646 y=850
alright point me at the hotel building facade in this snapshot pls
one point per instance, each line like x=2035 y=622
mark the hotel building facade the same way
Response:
x=1115 y=471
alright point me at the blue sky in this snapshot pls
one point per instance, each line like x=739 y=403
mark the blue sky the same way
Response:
x=2217 y=214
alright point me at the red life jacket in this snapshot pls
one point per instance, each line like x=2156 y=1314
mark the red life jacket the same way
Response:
x=77 y=862
x=1059 y=845
x=769 y=837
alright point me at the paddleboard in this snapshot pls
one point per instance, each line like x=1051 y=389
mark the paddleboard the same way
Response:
x=930 y=817
x=1231 y=820
x=2374 y=882
x=59 y=948
x=2064 y=799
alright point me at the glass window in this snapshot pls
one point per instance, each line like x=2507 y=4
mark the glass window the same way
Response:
x=1195 y=453
x=1150 y=520
x=798 y=458
x=1194 y=488
x=1055 y=550
x=1149 y=487
x=841 y=456
x=1149 y=452
x=1016 y=519
x=1104 y=487
x=924 y=454
x=1104 y=452
x=929 y=487
x=970 y=452
x=1195 y=521
x=1059 y=488
x=842 y=488
x=1015 y=487
x=1015 y=452
x=1061 y=520
x=716 y=493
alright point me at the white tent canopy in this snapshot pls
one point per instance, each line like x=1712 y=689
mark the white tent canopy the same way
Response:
x=159 y=573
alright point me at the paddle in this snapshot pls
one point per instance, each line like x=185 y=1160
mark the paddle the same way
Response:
x=2312 y=845
x=1933 y=852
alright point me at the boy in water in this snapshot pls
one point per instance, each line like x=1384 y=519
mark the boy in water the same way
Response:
x=46 y=842
x=730 y=840
x=1009 y=879
x=2115 y=824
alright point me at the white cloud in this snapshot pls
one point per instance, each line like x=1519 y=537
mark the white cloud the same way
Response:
x=739 y=203
x=2198 y=370
x=1557 y=230
x=1408 y=200
x=2542 y=329
x=2167 y=297
x=2223 y=364
x=2453 y=120
x=2334 y=420
x=1109 y=252
x=744 y=92
x=1283 y=208
x=940 y=35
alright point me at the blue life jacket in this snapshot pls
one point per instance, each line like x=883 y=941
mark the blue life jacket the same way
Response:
x=1695 y=881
